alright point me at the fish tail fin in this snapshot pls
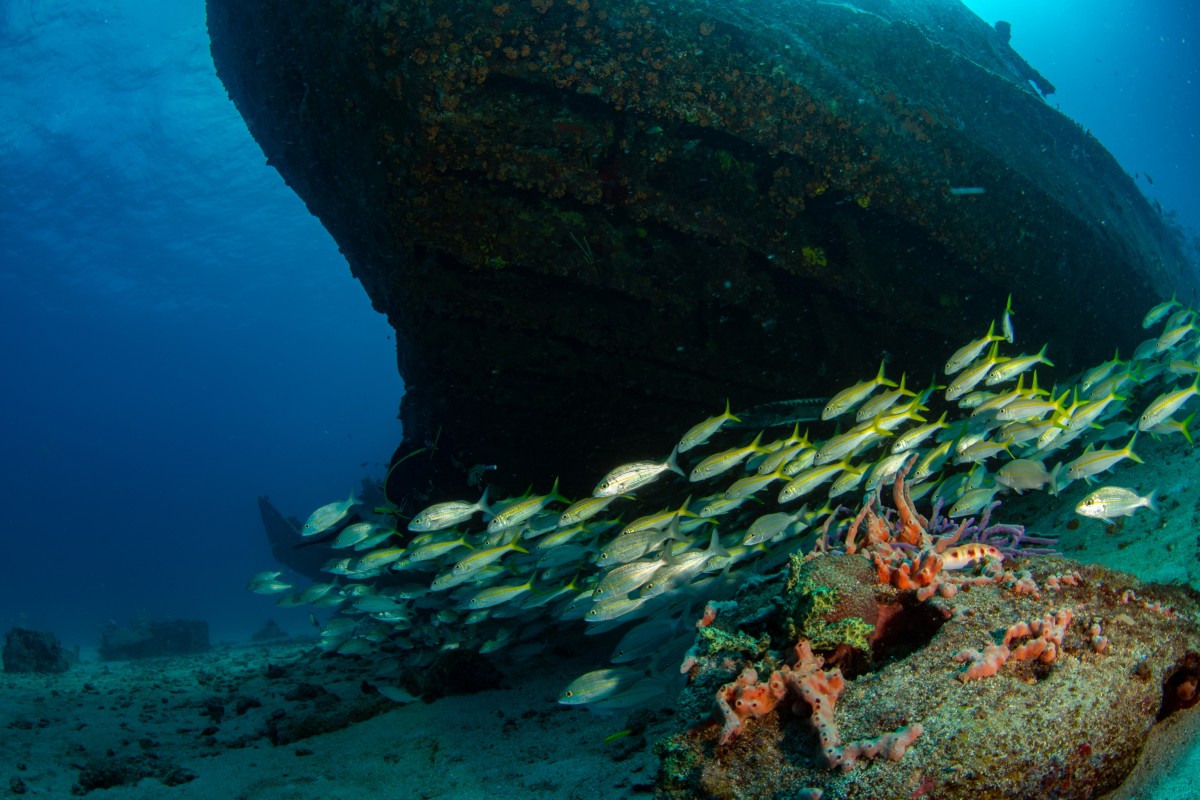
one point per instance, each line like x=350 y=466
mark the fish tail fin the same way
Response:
x=554 y=493
x=683 y=511
x=714 y=545
x=673 y=462
x=1183 y=428
x=1152 y=501
x=728 y=414
x=1042 y=356
x=1132 y=456
x=880 y=380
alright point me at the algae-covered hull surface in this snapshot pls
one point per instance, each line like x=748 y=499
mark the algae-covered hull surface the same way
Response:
x=589 y=220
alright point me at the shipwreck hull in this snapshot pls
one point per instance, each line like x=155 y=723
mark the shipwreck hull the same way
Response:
x=590 y=223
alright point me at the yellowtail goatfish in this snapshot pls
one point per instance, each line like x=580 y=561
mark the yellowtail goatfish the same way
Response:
x=910 y=439
x=972 y=376
x=496 y=595
x=1096 y=374
x=1172 y=337
x=700 y=433
x=517 y=512
x=1015 y=366
x=479 y=559
x=584 y=509
x=446 y=515
x=966 y=354
x=882 y=402
x=847 y=399
x=1094 y=462
x=1167 y=404
x=1113 y=501
x=327 y=516
x=379 y=558
x=1159 y=311
x=632 y=476
x=724 y=461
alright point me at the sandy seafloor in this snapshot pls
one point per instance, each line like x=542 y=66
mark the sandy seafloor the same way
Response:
x=511 y=742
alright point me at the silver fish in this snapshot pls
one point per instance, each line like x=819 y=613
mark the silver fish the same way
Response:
x=628 y=477
x=1113 y=501
x=446 y=515
x=597 y=685
x=327 y=516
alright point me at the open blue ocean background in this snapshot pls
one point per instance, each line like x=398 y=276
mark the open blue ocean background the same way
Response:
x=179 y=335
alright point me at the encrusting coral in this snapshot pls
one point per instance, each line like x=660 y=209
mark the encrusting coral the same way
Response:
x=1080 y=662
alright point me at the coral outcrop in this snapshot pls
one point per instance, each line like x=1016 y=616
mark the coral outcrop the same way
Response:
x=1036 y=677
x=35 y=651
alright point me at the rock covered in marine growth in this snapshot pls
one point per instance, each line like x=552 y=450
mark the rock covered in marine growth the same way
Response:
x=1093 y=660
x=34 y=651
x=146 y=639
x=587 y=220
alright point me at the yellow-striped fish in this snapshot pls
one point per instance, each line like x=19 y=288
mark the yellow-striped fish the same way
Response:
x=1015 y=366
x=517 y=512
x=724 y=461
x=1094 y=462
x=966 y=354
x=1167 y=404
x=1159 y=311
x=703 y=430
x=847 y=399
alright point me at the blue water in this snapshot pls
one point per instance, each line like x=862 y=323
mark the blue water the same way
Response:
x=180 y=335
x=1128 y=71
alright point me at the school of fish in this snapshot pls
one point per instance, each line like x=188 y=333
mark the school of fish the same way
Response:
x=484 y=575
